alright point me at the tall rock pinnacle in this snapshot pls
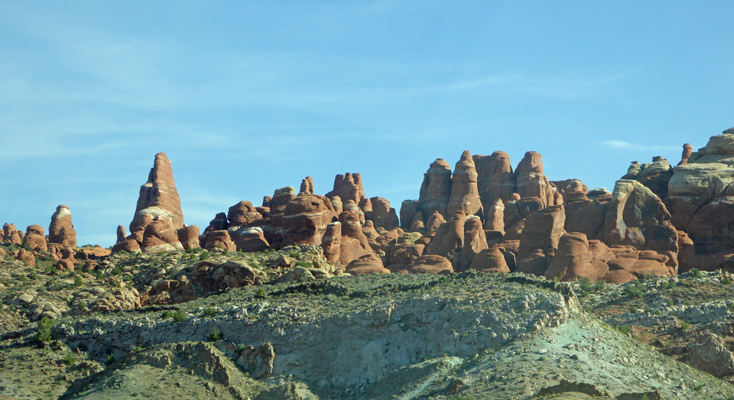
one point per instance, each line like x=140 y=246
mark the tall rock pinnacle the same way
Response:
x=158 y=197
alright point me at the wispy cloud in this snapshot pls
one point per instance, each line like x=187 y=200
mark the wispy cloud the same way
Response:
x=629 y=146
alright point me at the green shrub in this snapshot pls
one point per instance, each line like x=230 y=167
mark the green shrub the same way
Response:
x=179 y=315
x=78 y=281
x=695 y=273
x=260 y=294
x=585 y=284
x=70 y=358
x=117 y=271
x=204 y=256
x=43 y=330
x=635 y=290
x=167 y=314
x=600 y=286
x=214 y=336
x=624 y=329
x=685 y=325
x=209 y=312
x=726 y=281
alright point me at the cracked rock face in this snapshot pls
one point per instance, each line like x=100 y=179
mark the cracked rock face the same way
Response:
x=708 y=353
x=700 y=200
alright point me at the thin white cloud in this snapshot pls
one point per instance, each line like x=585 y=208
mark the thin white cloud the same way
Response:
x=624 y=145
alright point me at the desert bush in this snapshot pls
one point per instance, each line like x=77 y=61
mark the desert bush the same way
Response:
x=179 y=315
x=43 y=330
x=635 y=290
x=214 y=336
x=209 y=312
x=70 y=358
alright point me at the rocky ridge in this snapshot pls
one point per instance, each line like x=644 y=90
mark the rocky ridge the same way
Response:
x=654 y=234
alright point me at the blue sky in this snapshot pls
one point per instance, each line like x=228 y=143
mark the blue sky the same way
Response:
x=247 y=97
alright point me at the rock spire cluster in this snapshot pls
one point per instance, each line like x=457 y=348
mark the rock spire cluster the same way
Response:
x=483 y=215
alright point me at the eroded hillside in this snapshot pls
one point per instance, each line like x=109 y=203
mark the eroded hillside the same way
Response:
x=311 y=335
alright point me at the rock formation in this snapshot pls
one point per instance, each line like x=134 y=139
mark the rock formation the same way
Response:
x=354 y=243
x=574 y=259
x=35 y=239
x=475 y=241
x=655 y=176
x=532 y=182
x=701 y=203
x=464 y=191
x=305 y=219
x=188 y=236
x=348 y=187
x=331 y=243
x=158 y=197
x=687 y=151
x=121 y=234
x=61 y=230
x=26 y=256
x=436 y=189
x=251 y=239
x=307 y=185
x=382 y=214
x=242 y=214
x=160 y=236
x=367 y=264
x=11 y=235
x=495 y=178
x=638 y=218
x=491 y=259
x=539 y=239
x=408 y=209
x=431 y=264
x=281 y=198
x=219 y=240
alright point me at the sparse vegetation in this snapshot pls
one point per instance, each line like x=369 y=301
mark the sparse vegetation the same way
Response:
x=635 y=290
